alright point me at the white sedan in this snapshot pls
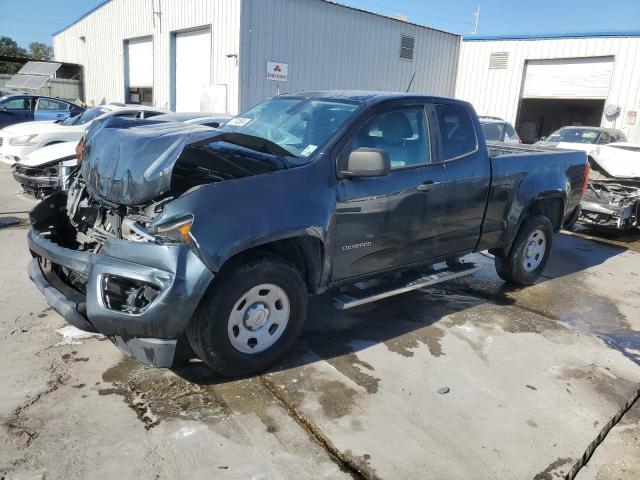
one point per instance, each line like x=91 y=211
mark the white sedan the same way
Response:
x=17 y=141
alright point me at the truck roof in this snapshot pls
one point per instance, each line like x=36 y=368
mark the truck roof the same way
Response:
x=369 y=97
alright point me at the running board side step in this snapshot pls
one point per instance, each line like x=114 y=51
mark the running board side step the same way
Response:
x=362 y=293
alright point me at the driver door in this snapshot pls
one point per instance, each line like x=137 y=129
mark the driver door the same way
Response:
x=393 y=220
x=16 y=110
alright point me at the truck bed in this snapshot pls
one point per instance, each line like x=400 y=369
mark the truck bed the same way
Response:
x=498 y=149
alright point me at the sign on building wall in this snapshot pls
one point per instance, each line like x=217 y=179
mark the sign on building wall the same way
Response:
x=631 y=117
x=277 y=71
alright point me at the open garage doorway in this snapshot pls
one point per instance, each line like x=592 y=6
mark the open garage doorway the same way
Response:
x=540 y=117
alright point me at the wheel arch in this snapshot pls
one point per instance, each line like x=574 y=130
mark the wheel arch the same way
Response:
x=305 y=252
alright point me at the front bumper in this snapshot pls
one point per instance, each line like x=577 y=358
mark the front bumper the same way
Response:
x=179 y=276
x=39 y=186
x=605 y=215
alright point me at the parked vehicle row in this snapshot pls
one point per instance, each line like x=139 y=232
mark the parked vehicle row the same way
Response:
x=44 y=153
x=171 y=230
x=18 y=108
x=613 y=195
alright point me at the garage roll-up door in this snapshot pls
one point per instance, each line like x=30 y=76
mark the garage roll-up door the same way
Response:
x=140 y=62
x=193 y=69
x=587 y=78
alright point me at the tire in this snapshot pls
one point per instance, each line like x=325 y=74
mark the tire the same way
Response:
x=235 y=319
x=523 y=265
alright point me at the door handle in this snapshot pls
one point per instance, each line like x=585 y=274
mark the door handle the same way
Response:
x=427 y=185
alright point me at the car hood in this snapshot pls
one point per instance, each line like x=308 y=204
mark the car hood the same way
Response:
x=39 y=128
x=131 y=162
x=50 y=154
x=619 y=162
x=585 y=147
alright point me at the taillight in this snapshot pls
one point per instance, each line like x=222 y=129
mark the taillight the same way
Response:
x=585 y=180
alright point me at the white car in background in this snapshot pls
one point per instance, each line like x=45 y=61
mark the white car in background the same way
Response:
x=17 y=141
x=496 y=129
x=587 y=139
x=47 y=169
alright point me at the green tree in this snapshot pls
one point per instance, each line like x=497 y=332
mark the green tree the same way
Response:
x=10 y=48
x=40 y=51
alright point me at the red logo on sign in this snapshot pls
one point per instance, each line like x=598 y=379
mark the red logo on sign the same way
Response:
x=277 y=68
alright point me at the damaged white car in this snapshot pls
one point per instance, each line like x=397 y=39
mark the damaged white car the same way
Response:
x=612 y=198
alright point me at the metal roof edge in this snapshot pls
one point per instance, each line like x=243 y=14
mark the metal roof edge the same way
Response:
x=387 y=17
x=330 y=2
x=84 y=15
x=551 y=36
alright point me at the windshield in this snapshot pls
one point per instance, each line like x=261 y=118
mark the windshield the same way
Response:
x=492 y=131
x=296 y=124
x=575 y=135
x=90 y=114
x=70 y=120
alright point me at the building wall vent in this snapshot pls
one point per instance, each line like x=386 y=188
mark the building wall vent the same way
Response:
x=498 y=60
x=407 y=43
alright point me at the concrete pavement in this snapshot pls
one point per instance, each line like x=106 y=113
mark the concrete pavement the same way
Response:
x=467 y=380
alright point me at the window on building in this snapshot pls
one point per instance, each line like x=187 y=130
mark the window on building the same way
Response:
x=498 y=60
x=407 y=44
x=141 y=95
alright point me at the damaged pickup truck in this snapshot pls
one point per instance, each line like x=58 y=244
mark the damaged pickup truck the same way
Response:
x=612 y=199
x=173 y=230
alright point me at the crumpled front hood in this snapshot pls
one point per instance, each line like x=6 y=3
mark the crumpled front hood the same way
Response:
x=131 y=162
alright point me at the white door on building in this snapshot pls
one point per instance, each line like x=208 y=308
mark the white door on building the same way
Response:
x=192 y=69
x=140 y=70
x=587 y=78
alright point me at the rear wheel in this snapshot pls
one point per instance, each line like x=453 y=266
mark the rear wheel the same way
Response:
x=529 y=253
x=251 y=317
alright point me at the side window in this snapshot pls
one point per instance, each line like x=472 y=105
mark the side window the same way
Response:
x=457 y=131
x=22 y=103
x=604 y=138
x=48 y=104
x=512 y=134
x=401 y=132
x=127 y=115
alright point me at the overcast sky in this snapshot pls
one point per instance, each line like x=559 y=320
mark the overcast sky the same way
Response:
x=37 y=20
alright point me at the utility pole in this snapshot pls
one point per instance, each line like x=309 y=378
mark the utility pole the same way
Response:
x=477 y=15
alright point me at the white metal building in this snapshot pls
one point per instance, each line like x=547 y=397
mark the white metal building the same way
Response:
x=216 y=55
x=543 y=83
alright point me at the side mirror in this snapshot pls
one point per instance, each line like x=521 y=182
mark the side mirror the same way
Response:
x=543 y=139
x=2 y=108
x=368 y=162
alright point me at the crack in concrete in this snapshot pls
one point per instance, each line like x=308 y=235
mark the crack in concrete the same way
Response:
x=346 y=462
x=591 y=448
x=15 y=424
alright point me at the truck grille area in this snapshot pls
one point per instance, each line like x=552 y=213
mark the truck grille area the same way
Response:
x=68 y=282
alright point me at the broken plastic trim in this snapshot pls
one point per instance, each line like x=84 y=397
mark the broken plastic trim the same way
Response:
x=126 y=295
x=178 y=231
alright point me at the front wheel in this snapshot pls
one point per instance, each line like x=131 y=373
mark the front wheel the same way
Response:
x=529 y=253
x=251 y=317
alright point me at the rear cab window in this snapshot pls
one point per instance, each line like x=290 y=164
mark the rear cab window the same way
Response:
x=457 y=131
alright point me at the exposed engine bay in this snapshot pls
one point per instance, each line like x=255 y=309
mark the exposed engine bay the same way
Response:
x=95 y=219
x=611 y=201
